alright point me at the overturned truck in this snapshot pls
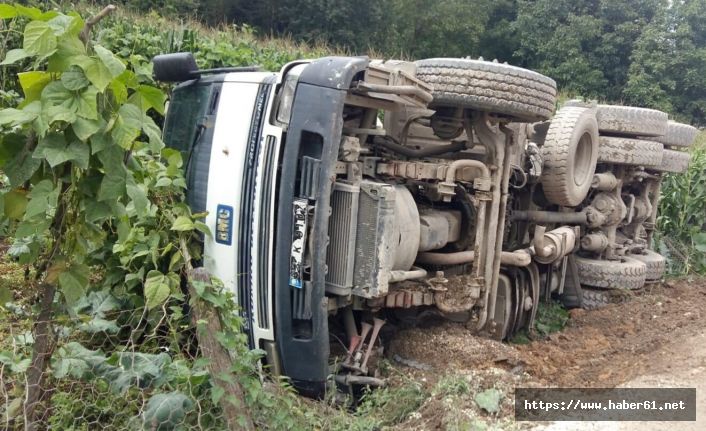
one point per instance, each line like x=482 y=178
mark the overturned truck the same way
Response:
x=347 y=194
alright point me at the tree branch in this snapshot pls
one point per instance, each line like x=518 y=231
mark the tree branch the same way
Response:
x=86 y=31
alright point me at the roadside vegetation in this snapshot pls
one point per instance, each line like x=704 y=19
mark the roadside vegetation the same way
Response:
x=122 y=346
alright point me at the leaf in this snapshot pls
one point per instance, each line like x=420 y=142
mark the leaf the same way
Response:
x=67 y=50
x=700 y=242
x=128 y=125
x=65 y=24
x=74 y=360
x=15 y=204
x=111 y=62
x=55 y=151
x=84 y=128
x=138 y=194
x=60 y=103
x=15 y=117
x=33 y=83
x=112 y=187
x=21 y=168
x=55 y=270
x=30 y=12
x=148 y=97
x=130 y=369
x=489 y=400
x=119 y=91
x=166 y=411
x=182 y=224
x=15 y=55
x=100 y=326
x=95 y=71
x=73 y=282
x=39 y=38
x=157 y=289
x=7 y=11
x=74 y=79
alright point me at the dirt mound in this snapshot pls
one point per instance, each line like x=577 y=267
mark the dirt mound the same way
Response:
x=600 y=348
x=603 y=348
x=450 y=346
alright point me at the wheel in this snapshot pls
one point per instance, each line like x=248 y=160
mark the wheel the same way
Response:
x=655 y=264
x=673 y=161
x=628 y=120
x=626 y=151
x=487 y=86
x=678 y=135
x=570 y=152
x=626 y=273
x=593 y=299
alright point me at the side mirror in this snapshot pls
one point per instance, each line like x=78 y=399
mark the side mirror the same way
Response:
x=177 y=67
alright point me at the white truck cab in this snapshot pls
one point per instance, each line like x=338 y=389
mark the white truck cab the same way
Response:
x=345 y=193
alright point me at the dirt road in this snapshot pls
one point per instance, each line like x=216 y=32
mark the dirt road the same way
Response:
x=656 y=339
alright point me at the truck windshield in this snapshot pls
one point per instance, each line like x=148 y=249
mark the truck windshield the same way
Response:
x=187 y=110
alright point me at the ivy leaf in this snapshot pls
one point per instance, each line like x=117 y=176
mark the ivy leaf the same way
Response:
x=33 y=83
x=7 y=11
x=73 y=282
x=182 y=224
x=14 y=55
x=111 y=62
x=74 y=79
x=15 y=204
x=156 y=289
x=39 y=39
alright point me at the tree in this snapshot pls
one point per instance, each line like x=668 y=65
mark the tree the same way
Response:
x=92 y=187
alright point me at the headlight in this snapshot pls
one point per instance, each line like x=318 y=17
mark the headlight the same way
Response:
x=286 y=96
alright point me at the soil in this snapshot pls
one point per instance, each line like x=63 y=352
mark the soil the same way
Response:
x=657 y=336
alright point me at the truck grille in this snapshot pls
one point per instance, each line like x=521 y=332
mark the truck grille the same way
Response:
x=342 y=228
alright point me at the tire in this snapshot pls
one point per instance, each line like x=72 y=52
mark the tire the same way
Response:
x=487 y=86
x=593 y=299
x=626 y=151
x=570 y=153
x=673 y=161
x=627 y=273
x=678 y=135
x=655 y=264
x=628 y=120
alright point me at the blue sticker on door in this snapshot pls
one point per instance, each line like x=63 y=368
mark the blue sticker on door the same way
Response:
x=224 y=224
